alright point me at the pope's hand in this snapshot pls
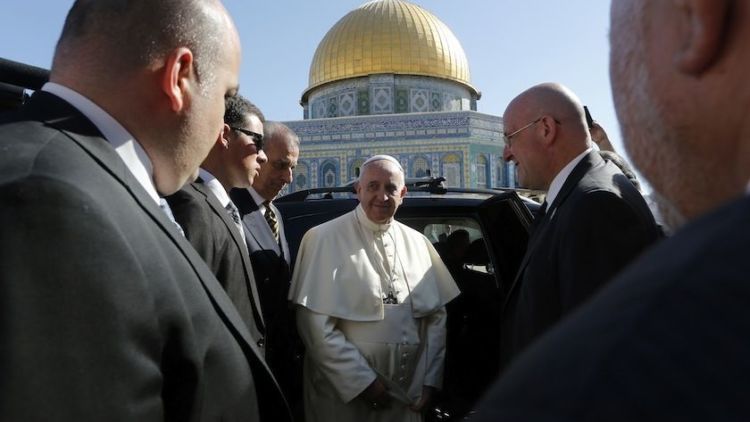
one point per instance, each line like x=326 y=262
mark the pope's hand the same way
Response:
x=376 y=395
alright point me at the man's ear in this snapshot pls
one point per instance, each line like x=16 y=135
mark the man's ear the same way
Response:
x=224 y=136
x=178 y=71
x=705 y=25
x=548 y=126
x=403 y=191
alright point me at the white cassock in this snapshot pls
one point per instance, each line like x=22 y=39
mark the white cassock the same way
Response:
x=345 y=270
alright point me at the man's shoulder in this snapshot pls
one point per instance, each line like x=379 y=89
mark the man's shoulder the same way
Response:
x=663 y=322
x=717 y=240
x=605 y=177
x=29 y=145
x=604 y=190
x=334 y=227
x=186 y=196
x=190 y=206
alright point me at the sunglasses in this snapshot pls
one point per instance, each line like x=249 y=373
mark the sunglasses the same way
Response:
x=256 y=137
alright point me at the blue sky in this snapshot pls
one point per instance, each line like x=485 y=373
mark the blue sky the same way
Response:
x=511 y=45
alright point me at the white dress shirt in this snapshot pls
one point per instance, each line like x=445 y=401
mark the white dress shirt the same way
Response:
x=562 y=176
x=213 y=184
x=127 y=147
x=259 y=200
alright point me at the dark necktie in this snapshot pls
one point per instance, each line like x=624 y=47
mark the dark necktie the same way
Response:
x=539 y=217
x=273 y=223
x=234 y=213
x=168 y=211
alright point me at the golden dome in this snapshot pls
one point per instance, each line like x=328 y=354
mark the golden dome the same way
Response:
x=389 y=36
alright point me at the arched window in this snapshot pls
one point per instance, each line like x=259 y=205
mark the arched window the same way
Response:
x=420 y=167
x=301 y=177
x=500 y=179
x=482 y=171
x=355 y=167
x=328 y=175
x=451 y=170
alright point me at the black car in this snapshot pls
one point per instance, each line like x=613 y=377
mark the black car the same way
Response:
x=481 y=236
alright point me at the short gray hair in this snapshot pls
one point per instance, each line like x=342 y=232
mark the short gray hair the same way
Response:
x=272 y=130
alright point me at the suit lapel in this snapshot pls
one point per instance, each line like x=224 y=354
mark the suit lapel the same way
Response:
x=590 y=160
x=282 y=235
x=587 y=162
x=256 y=227
x=221 y=212
x=260 y=231
x=59 y=114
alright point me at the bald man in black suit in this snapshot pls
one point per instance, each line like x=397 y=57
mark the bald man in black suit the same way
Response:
x=592 y=224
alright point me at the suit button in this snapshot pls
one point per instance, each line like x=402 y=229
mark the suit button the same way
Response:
x=261 y=343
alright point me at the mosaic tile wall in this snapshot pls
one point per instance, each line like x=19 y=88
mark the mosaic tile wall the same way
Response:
x=466 y=147
x=387 y=94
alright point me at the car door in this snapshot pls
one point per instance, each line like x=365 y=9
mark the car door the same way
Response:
x=482 y=244
x=506 y=219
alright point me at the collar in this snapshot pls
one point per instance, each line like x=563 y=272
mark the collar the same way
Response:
x=369 y=224
x=559 y=180
x=213 y=184
x=259 y=200
x=126 y=146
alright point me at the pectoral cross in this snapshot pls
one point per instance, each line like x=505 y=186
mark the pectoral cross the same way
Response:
x=390 y=299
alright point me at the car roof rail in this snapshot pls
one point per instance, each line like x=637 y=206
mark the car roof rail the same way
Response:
x=301 y=195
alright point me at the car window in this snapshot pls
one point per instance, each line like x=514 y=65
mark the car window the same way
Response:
x=458 y=240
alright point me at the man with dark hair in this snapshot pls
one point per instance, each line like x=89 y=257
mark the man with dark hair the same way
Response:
x=237 y=111
x=107 y=311
x=592 y=223
x=668 y=338
x=211 y=220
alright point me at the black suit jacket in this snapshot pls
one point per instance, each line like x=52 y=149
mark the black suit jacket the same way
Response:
x=666 y=340
x=211 y=231
x=107 y=311
x=270 y=258
x=596 y=225
x=271 y=265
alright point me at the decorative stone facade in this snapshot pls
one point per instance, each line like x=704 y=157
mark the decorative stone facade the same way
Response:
x=465 y=147
x=387 y=94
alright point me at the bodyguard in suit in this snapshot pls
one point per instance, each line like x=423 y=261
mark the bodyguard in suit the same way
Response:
x=265 y=235
x=269 y=252
x=668 y=338
x=106 y=311
x=591 y=225
x=211 y=220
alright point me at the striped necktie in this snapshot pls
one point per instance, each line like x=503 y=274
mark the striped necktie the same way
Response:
x=273 y=223
x=234 y=213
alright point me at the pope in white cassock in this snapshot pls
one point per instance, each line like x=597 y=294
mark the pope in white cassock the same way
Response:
x=371 y=295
